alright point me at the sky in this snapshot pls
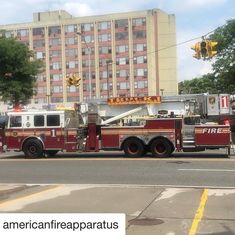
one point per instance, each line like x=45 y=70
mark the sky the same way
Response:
x=194 y=18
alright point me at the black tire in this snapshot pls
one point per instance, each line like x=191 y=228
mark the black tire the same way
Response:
x=133 y=148
x=33 y=148
x=51 y=152
x=161 y=148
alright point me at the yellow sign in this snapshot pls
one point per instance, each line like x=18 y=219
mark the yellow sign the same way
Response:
x=134 y=100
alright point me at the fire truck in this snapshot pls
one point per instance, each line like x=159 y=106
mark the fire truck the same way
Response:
x=39 y=133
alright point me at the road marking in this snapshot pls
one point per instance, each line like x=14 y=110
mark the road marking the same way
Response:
x=199 y=214
x=117 y=158
x=19 y=199
x=212 y=170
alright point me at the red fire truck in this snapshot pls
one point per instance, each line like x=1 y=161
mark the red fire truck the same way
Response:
x=48 y=132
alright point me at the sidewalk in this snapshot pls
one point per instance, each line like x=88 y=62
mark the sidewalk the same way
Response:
x=149 y=210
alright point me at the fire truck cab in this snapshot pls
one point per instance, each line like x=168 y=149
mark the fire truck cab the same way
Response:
x=40 y=132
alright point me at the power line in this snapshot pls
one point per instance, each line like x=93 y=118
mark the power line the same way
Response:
x=165 y=48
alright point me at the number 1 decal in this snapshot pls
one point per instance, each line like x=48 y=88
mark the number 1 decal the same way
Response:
x=53 y=133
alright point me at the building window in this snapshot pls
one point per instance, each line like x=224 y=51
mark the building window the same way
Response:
x=140 y=47
x=73 y=99
x=55 y=53
x=41 y=90
x=55 y=65
x=121 y=36
x=86 y=87
x=104 y=37
x=38 y=31
x=141 y=72
x=139 y=22
x=40 y=55
x=141 y=84
x=105 y=50
x=71 y=41
x=23 y=32
x=57 y=89
x=139 y=34
x=8 y=34
x=70 y=28
x=122 y=61
x=54 y=42
x=103 y=86
x=121 y=23
x=103 y=74
x=122 y=48
x=71 y=89
x=56 y=77
x=123 y=85
x=54 y=30
x=140 y=60
x=87 y=27
x=122 y=73
x=104 y=25
x=38 y=43
x=72 y=64
x=56 y=99
x=102 y=62
x=40 y=100
x=71 y=52
x=86 y=63
x=88 y=38
x=85 y=50
x=41 y=78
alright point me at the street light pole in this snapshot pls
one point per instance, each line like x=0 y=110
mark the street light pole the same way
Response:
x=162 y=90
x=107 y=65
x=89 y=70
x=89 y=63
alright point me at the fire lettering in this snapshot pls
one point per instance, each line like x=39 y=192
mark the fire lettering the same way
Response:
x=212 y=130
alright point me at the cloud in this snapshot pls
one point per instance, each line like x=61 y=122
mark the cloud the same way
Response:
x=179 y=6
x=204 y=3
x=74 y=8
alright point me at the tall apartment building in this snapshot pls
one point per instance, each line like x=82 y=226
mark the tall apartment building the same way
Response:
x=115 y=55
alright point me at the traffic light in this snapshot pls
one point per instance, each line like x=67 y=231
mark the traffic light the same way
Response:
x=204 y=48
x=76 y=81
x=196 y=48
x=212 y=48
x=69 y=81
x=73 y=81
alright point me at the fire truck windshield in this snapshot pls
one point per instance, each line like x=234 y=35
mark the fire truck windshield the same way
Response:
x=15 y=121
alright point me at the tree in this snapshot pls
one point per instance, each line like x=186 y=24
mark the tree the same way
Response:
x=222 y=78
x=17 y=71
x=199 y=85
x=224 y=66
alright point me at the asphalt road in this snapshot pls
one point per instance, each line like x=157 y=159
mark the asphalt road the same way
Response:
x=186 y=194
x=204 y=170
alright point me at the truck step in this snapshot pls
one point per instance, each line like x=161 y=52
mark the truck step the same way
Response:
x=188 y=141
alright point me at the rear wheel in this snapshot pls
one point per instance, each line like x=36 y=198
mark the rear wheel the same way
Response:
x=33 y=148
x=133 y=148
x=161 y=148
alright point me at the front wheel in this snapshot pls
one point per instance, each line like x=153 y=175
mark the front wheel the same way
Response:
x=161 y=148
x=33 y=148
x=133 y=148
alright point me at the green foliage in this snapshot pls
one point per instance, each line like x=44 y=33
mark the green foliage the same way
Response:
x=222 y=78
x=224 y=66
x=17 y=71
